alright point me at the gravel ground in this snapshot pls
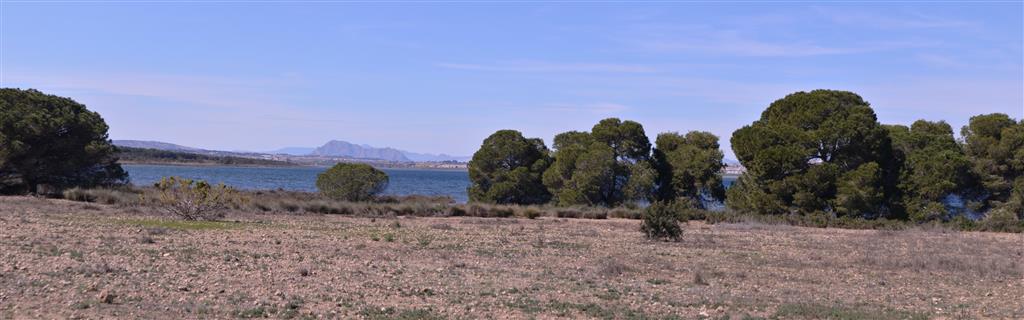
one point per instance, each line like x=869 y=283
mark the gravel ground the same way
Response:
x=64 y=259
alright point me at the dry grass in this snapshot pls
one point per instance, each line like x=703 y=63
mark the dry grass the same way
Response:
x=62 y=259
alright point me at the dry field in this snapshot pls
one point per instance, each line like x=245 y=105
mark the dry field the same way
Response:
x=61 y=259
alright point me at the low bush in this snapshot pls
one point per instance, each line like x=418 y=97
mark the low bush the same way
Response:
x=661 y=221
x=624 y=213
x=102 y=196
x=529 y=212
x=194 y=200
x=568 y=213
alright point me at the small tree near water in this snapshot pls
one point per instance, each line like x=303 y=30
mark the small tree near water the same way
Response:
x=352 y=182
x=661 y=221
x=194 y=199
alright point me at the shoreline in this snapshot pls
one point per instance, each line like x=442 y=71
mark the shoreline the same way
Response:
x=207 y=164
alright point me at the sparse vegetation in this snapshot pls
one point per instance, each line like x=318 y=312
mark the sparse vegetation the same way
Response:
x=329 y=266
x=194 y=200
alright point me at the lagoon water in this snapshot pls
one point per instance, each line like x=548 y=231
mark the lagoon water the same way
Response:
x=433 y=182
x=452 y=183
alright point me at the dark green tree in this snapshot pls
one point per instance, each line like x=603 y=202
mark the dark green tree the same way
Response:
x=626 y=138
x=581 y=171
x=994 y=143
x=508 y=169
x=689 y=167
x=859 y=192
x=53 y=142
x=606 y=167
x=801 y=146
x=932 y=167
x=352 y=182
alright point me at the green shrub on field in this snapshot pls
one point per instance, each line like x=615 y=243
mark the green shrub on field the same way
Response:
x=194 y=200
x=352 y=182
x=661 y=221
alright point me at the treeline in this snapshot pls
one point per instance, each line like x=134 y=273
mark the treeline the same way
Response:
x=146 y=155
x=821 y=154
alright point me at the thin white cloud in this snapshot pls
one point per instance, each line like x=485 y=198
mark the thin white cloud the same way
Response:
x=891 y=20
x=595 y=108
x=545 y=66
x=732 y=42
x=218 y=92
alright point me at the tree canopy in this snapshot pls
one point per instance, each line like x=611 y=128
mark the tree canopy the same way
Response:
x=802 y=146
x=932 y=167
x=689 y=166
x=994 y=143
x=508 y=169
x=54 y=142
x=607 y=167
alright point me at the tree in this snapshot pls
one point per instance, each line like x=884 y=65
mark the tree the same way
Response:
x=352 y=182
x=581 y=170
x=508 y=169
x=859 y=192
x=799 y=149
x=53 y=142
x=606 y=167
x=994 y=144
x=626 y=138
x=689 y=167
x=932 y=167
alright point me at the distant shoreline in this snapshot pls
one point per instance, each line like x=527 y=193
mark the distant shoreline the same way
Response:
x=208 y=164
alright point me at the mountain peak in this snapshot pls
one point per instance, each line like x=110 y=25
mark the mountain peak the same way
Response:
x=339 y=148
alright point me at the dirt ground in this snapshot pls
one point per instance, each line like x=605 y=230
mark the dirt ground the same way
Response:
x=62 y=259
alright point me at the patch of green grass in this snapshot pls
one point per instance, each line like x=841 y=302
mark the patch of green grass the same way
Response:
x=657 y=282
x=183 y=224
x=257 y=312
x=526 y=304
x=391 y=313
x=820 y=311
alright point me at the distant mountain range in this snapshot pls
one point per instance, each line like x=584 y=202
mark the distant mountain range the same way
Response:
x=333 y=148
x=153 y=145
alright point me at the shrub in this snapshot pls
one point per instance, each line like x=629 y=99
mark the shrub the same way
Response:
x=530 y=212
x=595 y=213
x=661 y=221
x=194 y=200
x=624 y=213
x=104 y=196
x=352 y=182
x=568 y=213
x=490 y=211
x=1001 y=220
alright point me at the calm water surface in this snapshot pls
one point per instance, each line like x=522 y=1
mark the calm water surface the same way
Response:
x=451 y=183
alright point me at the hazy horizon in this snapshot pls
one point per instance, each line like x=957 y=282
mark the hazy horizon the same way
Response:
x=440 y=77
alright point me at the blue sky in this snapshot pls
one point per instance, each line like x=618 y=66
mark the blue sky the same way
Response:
x=440 y=77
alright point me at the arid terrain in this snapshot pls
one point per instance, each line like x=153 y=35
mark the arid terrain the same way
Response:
x=62 y=259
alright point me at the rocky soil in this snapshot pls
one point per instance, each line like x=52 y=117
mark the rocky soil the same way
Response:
x=61 y=259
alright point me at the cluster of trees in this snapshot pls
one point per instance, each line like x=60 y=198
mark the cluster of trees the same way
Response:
x=818 y=152
x=48 y=143
x=611 y=165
